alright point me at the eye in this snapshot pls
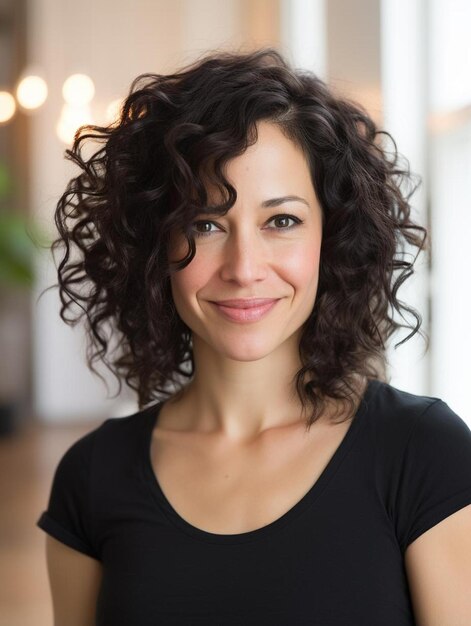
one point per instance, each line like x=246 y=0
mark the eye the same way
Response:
x=281 y=216
x=202 y=234
x=296 y=221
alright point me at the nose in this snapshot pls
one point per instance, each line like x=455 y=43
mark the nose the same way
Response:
x=245 y=258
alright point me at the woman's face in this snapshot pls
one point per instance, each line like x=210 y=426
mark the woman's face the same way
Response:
x=249 y=254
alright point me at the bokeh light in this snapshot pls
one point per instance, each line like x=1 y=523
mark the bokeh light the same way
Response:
x=31 y=92
x=70 y=119
x=78 y=89
x=7 y=106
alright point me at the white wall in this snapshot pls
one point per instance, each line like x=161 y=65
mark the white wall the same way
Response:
x=404 y=87
x=449 y=27
x=303 y=34
x=451 y=267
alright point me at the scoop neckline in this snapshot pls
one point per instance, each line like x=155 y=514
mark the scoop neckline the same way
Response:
x=151 y=417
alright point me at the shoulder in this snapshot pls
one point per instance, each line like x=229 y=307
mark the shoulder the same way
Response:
x=402 y=416
x=112 y=436
x=422 y=459
x=436 y=516
x=392 y=402
x=404 y=422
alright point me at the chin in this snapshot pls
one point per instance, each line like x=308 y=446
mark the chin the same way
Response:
x=246 y=351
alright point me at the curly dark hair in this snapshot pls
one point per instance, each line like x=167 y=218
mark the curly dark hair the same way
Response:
x=147 y=181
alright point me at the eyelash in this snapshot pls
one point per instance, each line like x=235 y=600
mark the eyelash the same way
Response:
x=297 y=221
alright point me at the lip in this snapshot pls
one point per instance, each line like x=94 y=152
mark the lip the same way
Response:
x=245 y=303
x=246 y=313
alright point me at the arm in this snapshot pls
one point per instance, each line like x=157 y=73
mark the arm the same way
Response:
x=75 y=580
x=438 y=566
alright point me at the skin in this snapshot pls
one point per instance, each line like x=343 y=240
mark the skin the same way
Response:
x=243 y=385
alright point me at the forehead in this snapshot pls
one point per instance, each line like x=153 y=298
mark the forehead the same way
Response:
x=269 y=166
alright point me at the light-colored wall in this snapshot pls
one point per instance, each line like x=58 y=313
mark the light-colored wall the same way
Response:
x=450 y=184
x=405 y=110
x=354 y=51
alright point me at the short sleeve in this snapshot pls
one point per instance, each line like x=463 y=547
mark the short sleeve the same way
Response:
x=436 y=472
x=68 y=516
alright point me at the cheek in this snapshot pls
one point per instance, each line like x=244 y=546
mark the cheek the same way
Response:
x=302 y=263
x=188 y=281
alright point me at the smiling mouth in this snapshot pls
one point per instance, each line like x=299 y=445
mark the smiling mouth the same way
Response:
x=245 y=303
x=245 y=314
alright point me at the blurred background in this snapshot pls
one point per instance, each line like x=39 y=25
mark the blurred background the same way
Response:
x=65 y=63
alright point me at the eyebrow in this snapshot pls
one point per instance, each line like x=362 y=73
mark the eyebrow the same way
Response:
x=272 y=202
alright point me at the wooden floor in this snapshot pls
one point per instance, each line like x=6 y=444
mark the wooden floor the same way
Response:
x=27 y=463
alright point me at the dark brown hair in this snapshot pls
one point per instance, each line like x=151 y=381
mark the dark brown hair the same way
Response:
x=146 y=181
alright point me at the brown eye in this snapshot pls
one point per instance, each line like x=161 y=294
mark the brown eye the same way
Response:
x=282 y=218
x=285 y=218
x=205 y=232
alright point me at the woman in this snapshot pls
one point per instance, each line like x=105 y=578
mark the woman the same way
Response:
x=238 y=233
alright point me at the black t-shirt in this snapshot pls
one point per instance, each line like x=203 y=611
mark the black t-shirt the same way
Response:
x=335 y=558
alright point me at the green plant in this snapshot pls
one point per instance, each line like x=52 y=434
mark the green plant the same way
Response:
x=19 y=239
